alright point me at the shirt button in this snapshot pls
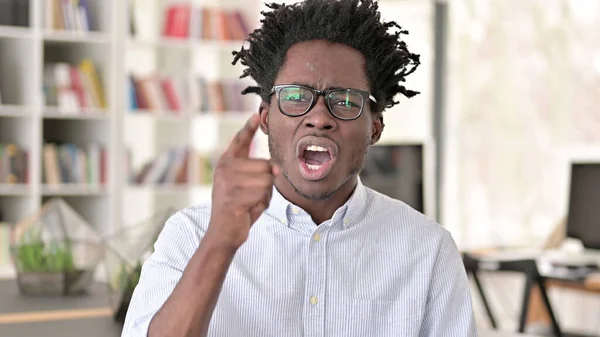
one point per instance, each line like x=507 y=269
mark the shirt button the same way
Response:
x=295 y=210
x=345 y=221
x=317 y=237
x=314 y=300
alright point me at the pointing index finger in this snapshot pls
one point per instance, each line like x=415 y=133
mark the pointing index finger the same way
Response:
x=240 y=144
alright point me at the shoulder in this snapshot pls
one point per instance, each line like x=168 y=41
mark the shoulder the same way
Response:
x=196 y=215
x=188 y=224
x=398 y=219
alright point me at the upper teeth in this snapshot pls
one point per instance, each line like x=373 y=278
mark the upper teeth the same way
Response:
x=316 y=148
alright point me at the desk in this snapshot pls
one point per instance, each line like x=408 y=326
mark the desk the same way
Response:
x=535 y=293
x=495 y=333
x=88 y=327
x=25 y=316
x=106 y=327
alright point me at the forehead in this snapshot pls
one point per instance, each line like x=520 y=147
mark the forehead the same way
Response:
x=323 y=65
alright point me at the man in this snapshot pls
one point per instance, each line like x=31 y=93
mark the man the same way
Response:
x=297 y=246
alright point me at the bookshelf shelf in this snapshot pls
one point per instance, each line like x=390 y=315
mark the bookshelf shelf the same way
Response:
x=13 y=32
x=160 y=43
x=76 y=36
x=218 y=45
x=15 y=190
x=224 y=115
x=185 y=44
x=91 y=114
x=160 y=115
x=161 y=189
x=73 y=190
x=15 y=111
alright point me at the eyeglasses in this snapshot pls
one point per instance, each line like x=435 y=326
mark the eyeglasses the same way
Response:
x=295 y=100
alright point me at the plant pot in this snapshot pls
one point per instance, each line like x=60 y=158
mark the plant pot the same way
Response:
x=74 y=282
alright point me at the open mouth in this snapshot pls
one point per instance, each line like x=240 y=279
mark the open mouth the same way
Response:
x=316 y=161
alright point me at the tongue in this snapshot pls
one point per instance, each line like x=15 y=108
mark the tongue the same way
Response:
x=316 y=157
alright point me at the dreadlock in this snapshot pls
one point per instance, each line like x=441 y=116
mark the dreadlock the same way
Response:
x=355 y=23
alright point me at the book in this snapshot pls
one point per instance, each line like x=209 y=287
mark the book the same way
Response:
x=206 y=23
x=13 y=164
x=169 y=167
x=68 y=15
x=68 y=163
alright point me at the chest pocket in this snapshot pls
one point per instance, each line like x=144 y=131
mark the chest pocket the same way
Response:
x=375 y=318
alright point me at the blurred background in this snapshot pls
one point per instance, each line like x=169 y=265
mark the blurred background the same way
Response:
x=112 y=114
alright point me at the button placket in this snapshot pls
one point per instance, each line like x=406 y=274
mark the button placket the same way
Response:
x=316 y=283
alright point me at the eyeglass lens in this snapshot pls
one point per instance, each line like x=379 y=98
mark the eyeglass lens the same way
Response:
x=343 y=104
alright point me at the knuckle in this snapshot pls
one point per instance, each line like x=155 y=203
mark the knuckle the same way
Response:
x=263 y=164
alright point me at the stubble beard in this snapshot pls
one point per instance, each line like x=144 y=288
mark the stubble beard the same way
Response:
x=357 y=158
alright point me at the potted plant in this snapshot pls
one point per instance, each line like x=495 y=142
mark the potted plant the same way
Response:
x=48 y=259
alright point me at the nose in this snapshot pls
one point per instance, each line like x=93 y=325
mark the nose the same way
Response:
x=319 y=116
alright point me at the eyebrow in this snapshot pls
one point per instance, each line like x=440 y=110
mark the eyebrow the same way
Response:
x=328 y=88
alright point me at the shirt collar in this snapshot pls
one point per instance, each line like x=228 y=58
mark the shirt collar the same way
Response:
x=280 y=207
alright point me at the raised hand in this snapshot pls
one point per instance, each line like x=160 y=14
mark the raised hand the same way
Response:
x=242 y=188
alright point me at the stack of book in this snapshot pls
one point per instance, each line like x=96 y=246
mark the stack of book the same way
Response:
x=165 y=93
x=219 y=96
x=73 y=88
x=186 y=21
x=70 y=164
x=157 y=93
x=71 y=15
x=170 y=167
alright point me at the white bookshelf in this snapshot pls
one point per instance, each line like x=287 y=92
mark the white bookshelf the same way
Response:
x=26 y=121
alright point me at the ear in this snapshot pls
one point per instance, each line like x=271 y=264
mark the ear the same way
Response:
x=377 y=128
x=263 y=111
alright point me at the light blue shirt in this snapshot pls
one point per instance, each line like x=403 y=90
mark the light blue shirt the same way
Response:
x=378 y=268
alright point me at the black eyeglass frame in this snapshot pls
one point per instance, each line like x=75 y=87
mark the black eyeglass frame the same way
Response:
x=366 y=96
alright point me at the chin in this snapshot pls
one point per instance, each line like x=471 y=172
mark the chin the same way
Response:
x=315 y=193
x=311 y=189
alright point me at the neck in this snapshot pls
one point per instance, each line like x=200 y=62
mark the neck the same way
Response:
x=319 y=210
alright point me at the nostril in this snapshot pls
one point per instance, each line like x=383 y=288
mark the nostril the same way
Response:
x=310 y=125
x=328 y=127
